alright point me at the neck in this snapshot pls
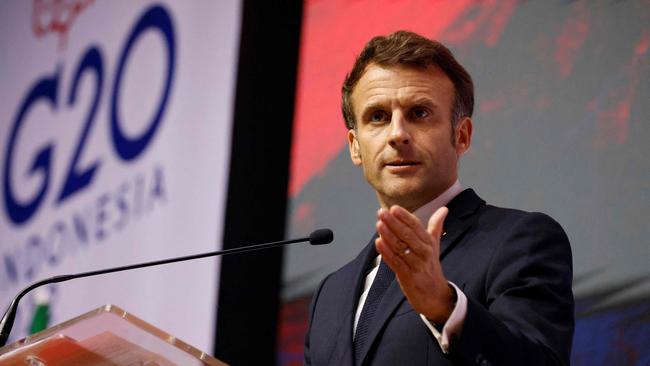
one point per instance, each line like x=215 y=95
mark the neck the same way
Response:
x=414 y=202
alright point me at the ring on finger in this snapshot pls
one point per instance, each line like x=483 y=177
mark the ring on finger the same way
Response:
x=406 y=249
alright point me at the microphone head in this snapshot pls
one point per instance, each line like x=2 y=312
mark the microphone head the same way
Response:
x=321 y=236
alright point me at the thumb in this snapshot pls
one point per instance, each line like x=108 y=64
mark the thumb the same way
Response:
x=434 y=227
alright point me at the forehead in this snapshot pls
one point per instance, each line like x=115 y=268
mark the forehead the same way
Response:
x=399 y=84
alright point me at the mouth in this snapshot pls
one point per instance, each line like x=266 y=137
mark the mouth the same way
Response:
x=401 y=167
x=402 y=163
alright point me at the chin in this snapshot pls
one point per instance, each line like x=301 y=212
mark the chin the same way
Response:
x=404 y=198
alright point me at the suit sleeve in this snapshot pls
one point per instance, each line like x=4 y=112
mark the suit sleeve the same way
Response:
x=528 y=317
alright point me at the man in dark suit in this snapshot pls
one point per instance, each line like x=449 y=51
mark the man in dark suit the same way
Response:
x=448 y=279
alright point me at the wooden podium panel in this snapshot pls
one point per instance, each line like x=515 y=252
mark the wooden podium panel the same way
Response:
x=108 y=336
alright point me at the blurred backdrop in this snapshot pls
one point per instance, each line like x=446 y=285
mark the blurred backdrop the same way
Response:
x=561 y=126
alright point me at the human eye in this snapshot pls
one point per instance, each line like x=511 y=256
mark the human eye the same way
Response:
x=419 y=112
x=377 y=116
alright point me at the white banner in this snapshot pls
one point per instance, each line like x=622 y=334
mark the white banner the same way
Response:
x=115 y=125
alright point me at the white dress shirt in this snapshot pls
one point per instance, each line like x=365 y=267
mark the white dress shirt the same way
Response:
x=454 y=324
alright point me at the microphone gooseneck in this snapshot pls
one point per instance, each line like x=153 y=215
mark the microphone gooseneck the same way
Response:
x=317 y=237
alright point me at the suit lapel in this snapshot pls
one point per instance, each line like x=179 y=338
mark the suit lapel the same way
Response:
x=367 y=255
x=458 y=221
x=344 y=351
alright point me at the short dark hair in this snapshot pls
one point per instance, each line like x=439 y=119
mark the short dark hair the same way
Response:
x=408 y=49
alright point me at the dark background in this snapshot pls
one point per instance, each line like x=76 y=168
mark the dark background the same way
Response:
x=256 y=207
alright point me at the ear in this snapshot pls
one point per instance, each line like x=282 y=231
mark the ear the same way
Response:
x=353 y=145
x=463 y=136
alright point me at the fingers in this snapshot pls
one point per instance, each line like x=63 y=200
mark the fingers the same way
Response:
x=390 y=246
x=409 y=220
x=418 y=271
x=392 y=258
x=434 y=227
x=402 y=230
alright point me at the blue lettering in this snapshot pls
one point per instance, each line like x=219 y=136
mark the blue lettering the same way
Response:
x=32 y=258
x=10 y=268
x=76 y=180
x=81 y=227
x=122 y=206
x=57 y=241
x=156 y=17
x=109 y=212
x=102 y=217
x=158 y=188
x=45 y=89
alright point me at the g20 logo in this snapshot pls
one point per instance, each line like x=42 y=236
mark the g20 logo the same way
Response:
x=127 y=148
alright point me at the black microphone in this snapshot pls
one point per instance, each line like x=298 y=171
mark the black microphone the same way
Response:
x=317 y=237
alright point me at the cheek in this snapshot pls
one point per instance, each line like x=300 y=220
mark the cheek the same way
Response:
x=443 y=154
x=368 y=150
x=370 y=162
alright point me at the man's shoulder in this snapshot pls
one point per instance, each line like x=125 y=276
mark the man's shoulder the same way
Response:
x=507 y=230
x=349 y=269
x=337 y=290
x=513 y=216
x=488 y=213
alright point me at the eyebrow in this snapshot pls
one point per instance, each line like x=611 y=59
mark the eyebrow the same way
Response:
x=423 y=101
x=371 y=107
x=380 y=105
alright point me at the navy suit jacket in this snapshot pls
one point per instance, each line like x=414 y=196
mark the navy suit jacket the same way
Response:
x=514 y=267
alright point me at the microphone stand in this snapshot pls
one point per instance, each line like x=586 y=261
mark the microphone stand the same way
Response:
x=317 y=237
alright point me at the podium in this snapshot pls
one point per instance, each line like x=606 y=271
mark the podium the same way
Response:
x=107 y=336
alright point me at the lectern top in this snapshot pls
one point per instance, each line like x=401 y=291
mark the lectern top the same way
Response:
x=107 y=336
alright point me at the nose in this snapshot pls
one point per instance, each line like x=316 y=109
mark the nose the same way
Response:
x=399 y=132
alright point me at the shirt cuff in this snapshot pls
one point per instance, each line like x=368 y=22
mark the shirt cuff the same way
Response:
x=454 y=324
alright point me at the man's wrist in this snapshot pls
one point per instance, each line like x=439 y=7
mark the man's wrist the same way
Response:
x=445 y=309
x=445 y=332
